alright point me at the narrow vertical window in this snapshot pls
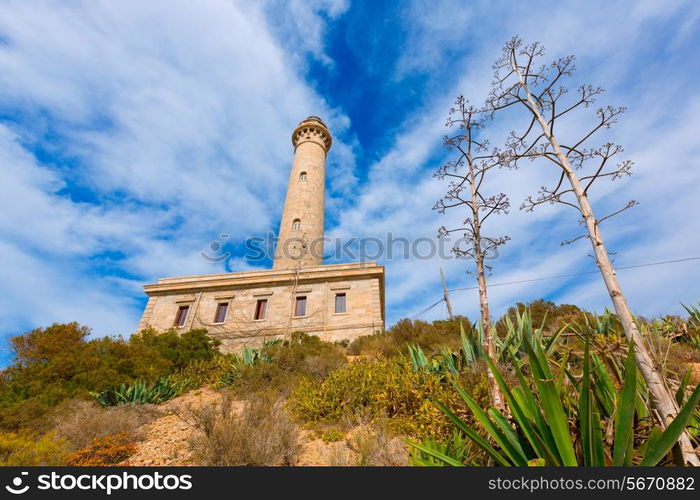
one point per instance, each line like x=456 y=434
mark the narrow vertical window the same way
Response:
x=181 y=316
x=261 y=309
x=296 y=225
x=302 y=177
x=339 y=303
x=221 y=311
x=300 y=307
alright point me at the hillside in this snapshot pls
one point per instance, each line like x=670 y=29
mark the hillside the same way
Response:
x=384 y=399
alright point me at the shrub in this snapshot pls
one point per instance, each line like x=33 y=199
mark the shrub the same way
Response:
x=285 y=364
x=59 y=362
x=376 y=447
x=209 y=371
x=263 y=435
x=332 y=435
x=431 y=337
x=546 y=313
x=107 y=450
x=383 y=388
x=178 y=349
x=26 y=449
x=78 y=422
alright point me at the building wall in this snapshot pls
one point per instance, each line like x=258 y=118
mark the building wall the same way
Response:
x=363 y=311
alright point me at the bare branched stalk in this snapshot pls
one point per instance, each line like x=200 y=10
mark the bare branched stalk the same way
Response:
x=521 y=81
x=466 y=173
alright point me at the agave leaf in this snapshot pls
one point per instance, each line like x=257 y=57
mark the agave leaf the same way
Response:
x=435 y=454
x=551 y=403
x=474 y=436
x=604 y=387
x=508 y=431
x=658 y=449
x=624 y=417
x=584 y=407
x=515 y=454
x=521 y=401
x=680 y=393
x=598 y=439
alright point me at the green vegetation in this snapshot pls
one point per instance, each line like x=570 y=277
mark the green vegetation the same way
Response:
x=385 y=388
x=279 y=365
x=29 y=449
x=572 y=390
x=60 y=362
x=141 y=392
x=563 y=407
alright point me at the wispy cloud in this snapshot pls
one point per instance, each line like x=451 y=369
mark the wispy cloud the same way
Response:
x=132 y=135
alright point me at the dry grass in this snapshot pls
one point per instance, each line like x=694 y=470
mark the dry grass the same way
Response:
x=80 y=422
x=263 y=435
x=369 y=445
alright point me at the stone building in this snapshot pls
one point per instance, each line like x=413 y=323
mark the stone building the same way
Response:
x=300 y=293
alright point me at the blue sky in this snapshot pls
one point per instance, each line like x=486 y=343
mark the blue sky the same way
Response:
x=132 y=134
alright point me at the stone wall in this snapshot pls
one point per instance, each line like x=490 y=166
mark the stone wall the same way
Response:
x=364 y=304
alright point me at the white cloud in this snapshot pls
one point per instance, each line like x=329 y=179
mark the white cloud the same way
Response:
x=657 y=132
x=150 y=128
x=158 y=125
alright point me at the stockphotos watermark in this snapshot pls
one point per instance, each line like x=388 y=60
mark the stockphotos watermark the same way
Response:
x=105 y=483
x=353 y=249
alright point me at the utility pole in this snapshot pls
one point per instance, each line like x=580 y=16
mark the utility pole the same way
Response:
x=446 y=295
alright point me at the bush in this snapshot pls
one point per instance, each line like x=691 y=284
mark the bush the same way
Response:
x=287 y=363
x=26 y=449
x=59 y=362
x=79 y=422
x=178 y=349
x=384 y=388
x=553 y=316
x=209 y=371
x=374 y=446
x=107 y=450
x=431 y=337
x=263 y=435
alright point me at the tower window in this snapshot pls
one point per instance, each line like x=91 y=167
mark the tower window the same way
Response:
x=340 y=303
x=302 y=177
x=221 y=311
x=300 y=307
x=181 y=315
x=296 y=225
x=261 y=309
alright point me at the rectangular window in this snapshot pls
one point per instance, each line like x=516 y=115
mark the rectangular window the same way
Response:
x=181 y=316
x=300 y=307
x=221 y=311
x=339 y=303
x=261 y=309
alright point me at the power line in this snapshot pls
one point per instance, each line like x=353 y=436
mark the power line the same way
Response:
x=558 y=276
x=427 y=309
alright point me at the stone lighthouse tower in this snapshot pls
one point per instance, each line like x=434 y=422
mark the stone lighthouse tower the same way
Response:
x=300 y=243
x=338 y=301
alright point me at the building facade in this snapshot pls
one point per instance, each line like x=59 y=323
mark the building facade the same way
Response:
x=335 y=302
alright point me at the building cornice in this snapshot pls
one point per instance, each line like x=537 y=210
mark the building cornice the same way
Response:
x=250 y=279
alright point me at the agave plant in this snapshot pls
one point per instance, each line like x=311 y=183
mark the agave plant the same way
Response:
x=538 y=432
x=141 y=392
x=458 y=448
x=692 y=334
x=512 y=345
